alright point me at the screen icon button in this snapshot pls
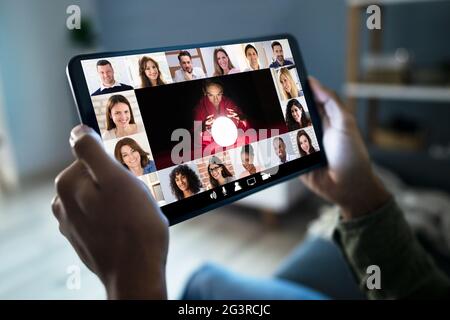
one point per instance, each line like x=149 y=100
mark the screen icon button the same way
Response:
x=265 y=175
x=251 y=181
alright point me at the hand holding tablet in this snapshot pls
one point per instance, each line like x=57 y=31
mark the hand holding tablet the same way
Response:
x=120 y=233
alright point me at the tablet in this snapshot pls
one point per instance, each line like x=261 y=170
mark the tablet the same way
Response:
x=202 y=125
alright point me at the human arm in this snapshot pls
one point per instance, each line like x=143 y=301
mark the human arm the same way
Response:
x=384 y=239
x=372 y=230
x=348 y=180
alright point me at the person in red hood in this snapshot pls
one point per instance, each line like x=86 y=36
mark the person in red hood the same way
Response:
x=212 y=105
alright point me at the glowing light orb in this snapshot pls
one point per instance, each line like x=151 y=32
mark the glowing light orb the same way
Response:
x=224 y=131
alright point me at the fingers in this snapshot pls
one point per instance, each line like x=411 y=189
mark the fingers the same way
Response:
x=318 y=181
x=321 y=111
x=319 y=101
x=67 y=183
x=67 y=229
x=77 y=192
x=321 y=94
x=87 y=197
x=57 y=208
x=65 y=206
x=88 y=148
x=331 y=107
x=60 y=215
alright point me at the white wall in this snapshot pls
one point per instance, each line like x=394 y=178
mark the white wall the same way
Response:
x=8 y=173
x=39 y=108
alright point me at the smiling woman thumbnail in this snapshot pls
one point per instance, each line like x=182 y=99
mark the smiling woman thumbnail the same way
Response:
x=119 y=118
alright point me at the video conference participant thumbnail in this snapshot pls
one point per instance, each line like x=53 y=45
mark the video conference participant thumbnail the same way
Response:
x=218 y=173
x=287 y=84
x=251 y=54
x=215 y=104
x=248 y=161
x=304 y=143
x=249 y=99
x=109 y=84
x=130 y=154
x=222 y=63
x=279 y=146
x=296 y=116
x=187 y=71
x=119 y=118
x=184 y=182
x=150 y=73
x=278 y=55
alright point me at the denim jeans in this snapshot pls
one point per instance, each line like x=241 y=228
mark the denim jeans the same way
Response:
x=315 y=270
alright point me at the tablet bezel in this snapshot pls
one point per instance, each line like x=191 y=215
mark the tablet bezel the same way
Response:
x=174 y=211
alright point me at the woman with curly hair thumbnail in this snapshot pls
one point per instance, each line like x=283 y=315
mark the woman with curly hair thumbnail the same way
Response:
x=184 y=182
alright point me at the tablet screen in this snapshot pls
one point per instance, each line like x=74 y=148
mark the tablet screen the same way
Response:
x=201 y=124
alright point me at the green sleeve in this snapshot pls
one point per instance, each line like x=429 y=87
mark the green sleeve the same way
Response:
x=383 y=238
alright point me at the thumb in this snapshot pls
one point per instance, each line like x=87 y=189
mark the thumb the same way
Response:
x=88 y=148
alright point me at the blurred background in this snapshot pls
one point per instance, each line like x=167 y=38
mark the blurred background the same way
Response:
x=396 y=80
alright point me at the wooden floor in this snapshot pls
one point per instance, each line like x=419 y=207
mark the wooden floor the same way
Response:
x=34 y=257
